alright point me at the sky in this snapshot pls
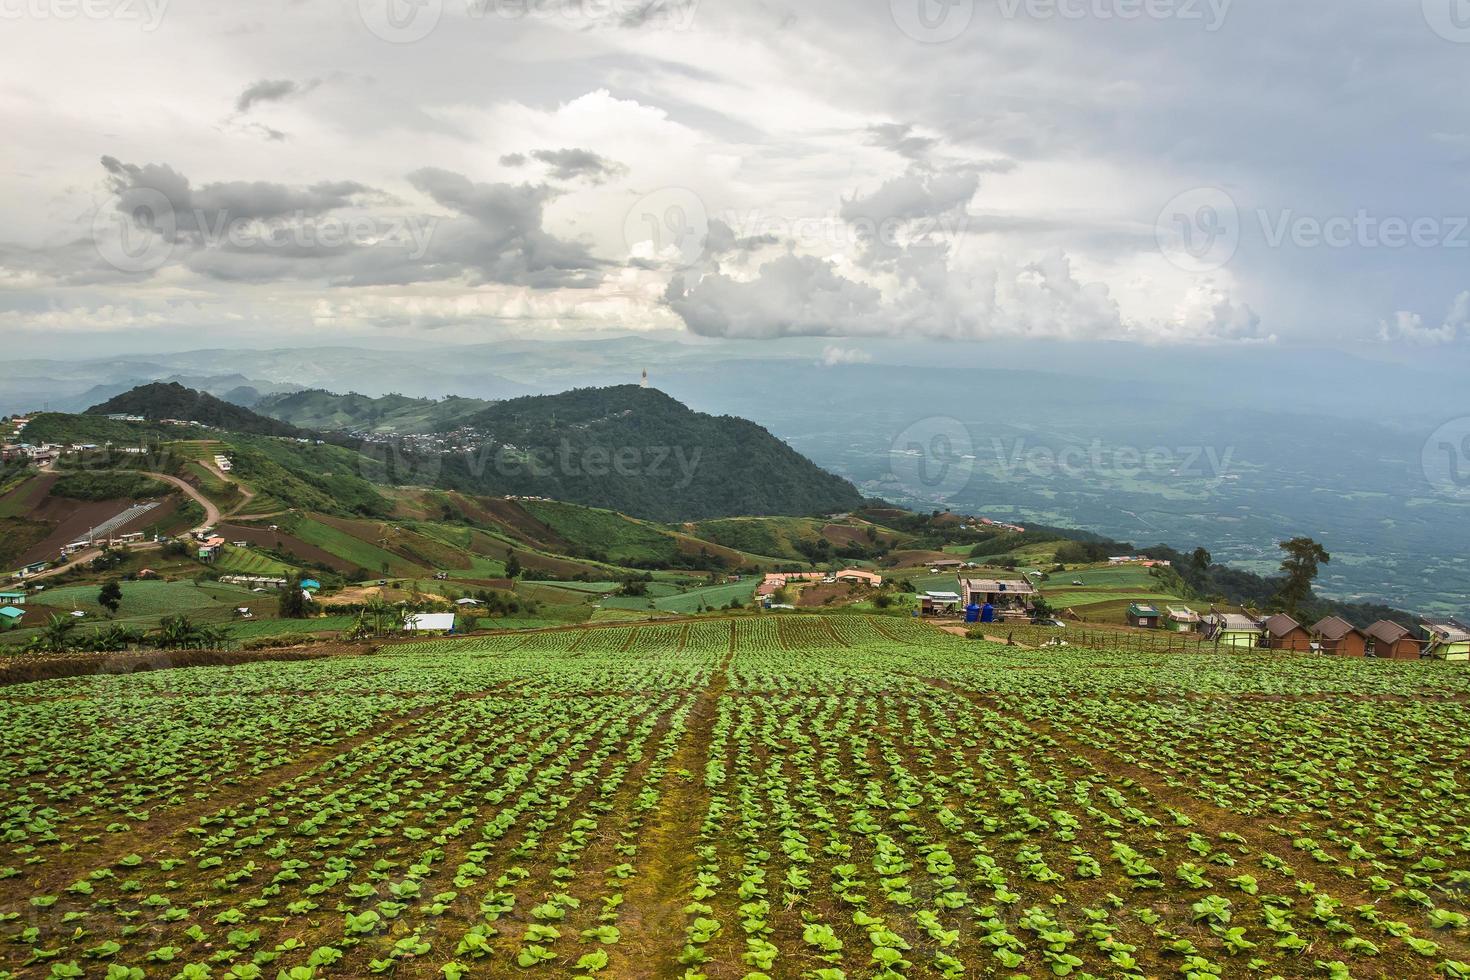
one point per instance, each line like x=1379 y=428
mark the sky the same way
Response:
x=1160 y=172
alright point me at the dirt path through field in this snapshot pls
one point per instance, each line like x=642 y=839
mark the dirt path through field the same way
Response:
x=653 y=921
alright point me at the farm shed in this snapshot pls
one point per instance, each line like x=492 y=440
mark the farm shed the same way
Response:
x=10 y=616
x=12 y=598
x=1182 y=619
x=1285 y=633
x=1233 y=630
x=1449 y=639
x=859 y=575
x=1391 y=641
x=939 y=603
x=430 y=623
x=1337 y=637
x=1143 y=616
x=1006 y=595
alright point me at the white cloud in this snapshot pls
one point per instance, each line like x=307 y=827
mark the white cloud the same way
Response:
x=832 y=355
x=1408 y=327
x=1020 y=191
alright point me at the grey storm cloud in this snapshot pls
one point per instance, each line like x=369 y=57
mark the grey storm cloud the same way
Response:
x=900 y=138
x=569 y=164
x=494 y=233
x=720 y=239
x=196 y=210
x=272 y=90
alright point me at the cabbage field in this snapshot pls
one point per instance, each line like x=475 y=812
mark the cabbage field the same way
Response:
x=803 y=797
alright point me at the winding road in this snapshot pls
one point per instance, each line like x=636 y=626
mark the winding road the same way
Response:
x=211 y=517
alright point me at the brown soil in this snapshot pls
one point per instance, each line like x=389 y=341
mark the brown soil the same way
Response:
x=284 y=544
x=653 y=903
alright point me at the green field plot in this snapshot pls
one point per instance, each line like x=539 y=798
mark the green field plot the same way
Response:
x=765 y=796
x=351 y=549
x=151 y=599
x=254 y=629
x=251 y=561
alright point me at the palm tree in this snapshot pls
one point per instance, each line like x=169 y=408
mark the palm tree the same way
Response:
x=55 y=636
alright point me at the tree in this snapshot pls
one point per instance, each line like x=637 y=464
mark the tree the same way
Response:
x=293 y=600
x=1201 y=559
x=1303 y=556
x=110 y=597
x=512 y=566
x=55 y=636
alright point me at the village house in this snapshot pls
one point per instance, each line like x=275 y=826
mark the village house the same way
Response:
x=1008 y=597
x=12 y=598
x=775 y=581
x=1285 y=633
x=1233 y=630
x=10 y=616
x=1182 y=619
x=1143 y=616
x=1449 y=639
x=1390 y=641
x=1337 y=637
x=939 y=603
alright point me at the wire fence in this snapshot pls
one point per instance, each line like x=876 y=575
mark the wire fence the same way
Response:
x=1093 y=638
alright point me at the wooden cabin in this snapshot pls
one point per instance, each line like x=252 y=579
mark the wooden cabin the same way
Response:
x=1390 y=641
x=1143 y=616
x=1337 y=637
x=1285 y=633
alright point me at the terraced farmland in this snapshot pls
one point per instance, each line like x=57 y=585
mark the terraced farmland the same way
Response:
x=760 y=797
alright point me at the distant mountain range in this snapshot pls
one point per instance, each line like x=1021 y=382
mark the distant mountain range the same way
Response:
x=639 y=451
x=173 y=401
x=393 y=414
x=626 y=448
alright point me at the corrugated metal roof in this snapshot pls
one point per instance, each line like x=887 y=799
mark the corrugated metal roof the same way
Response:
x=1448 y=630
x=1012 y=586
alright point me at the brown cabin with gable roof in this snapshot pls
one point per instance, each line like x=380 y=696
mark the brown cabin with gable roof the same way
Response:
x=1339 y=638
x=1390 y=641
x=1285 y=633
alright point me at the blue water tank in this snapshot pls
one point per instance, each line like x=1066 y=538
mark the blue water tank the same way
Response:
x=972 y=613
x=987 y=615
